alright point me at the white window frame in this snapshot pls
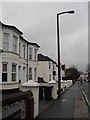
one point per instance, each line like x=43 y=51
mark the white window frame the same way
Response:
x=30 y=53
x=5 y=72
x=15 y=44
x=5 y=42
x=30 y=73
x=14 y=72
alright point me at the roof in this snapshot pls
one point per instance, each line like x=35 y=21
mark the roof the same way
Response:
x=11 y=27
x=32 y=43
x=16 y=29
x=45 y=58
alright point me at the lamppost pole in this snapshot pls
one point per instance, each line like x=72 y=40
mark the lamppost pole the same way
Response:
x=58 y=45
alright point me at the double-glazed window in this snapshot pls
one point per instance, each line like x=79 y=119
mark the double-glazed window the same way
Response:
x=15 y=44
x=4 y=72
x=6 y=41
x=30 y=73
x=13 y=72
x=30 y=53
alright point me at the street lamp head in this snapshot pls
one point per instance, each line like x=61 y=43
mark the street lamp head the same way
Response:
x=70 y=12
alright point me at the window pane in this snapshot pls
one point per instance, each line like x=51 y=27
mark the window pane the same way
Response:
x=30 y=53
x=13 y=68
x=30 y=73
x=30 y=50
x=30 y=76
x=35 y=53
x=4 y=77
x=13 y=76
x=14 y=40
x=6 y=37
x=6 y=41
x=4 y=67
x=30 y=70
x=14 y=44
x=5 y=46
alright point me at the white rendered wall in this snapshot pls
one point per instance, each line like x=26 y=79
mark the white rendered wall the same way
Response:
x=35 y=91
x=11 y=57
x=43 y=70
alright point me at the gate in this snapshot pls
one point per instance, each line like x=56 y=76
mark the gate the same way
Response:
x=41 y=93
x=48 y=93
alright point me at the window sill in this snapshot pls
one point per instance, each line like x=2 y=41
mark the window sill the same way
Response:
x=10 y=52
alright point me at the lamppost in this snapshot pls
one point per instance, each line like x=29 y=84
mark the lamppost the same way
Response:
x=58 y=45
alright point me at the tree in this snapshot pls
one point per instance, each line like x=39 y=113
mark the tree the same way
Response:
x=72 y=73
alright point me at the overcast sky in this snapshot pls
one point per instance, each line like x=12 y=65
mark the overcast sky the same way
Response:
x=37 y=20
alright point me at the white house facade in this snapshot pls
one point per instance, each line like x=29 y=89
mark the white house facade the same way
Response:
x=46 y=68
x=18 y=57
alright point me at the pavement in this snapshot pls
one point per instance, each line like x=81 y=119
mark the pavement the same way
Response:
x=71 y=104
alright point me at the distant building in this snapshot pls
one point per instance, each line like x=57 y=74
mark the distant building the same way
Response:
x=47 y=68
x=18 y=57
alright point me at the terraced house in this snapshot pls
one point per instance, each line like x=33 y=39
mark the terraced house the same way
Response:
x=18 y=57
x=47 y=68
